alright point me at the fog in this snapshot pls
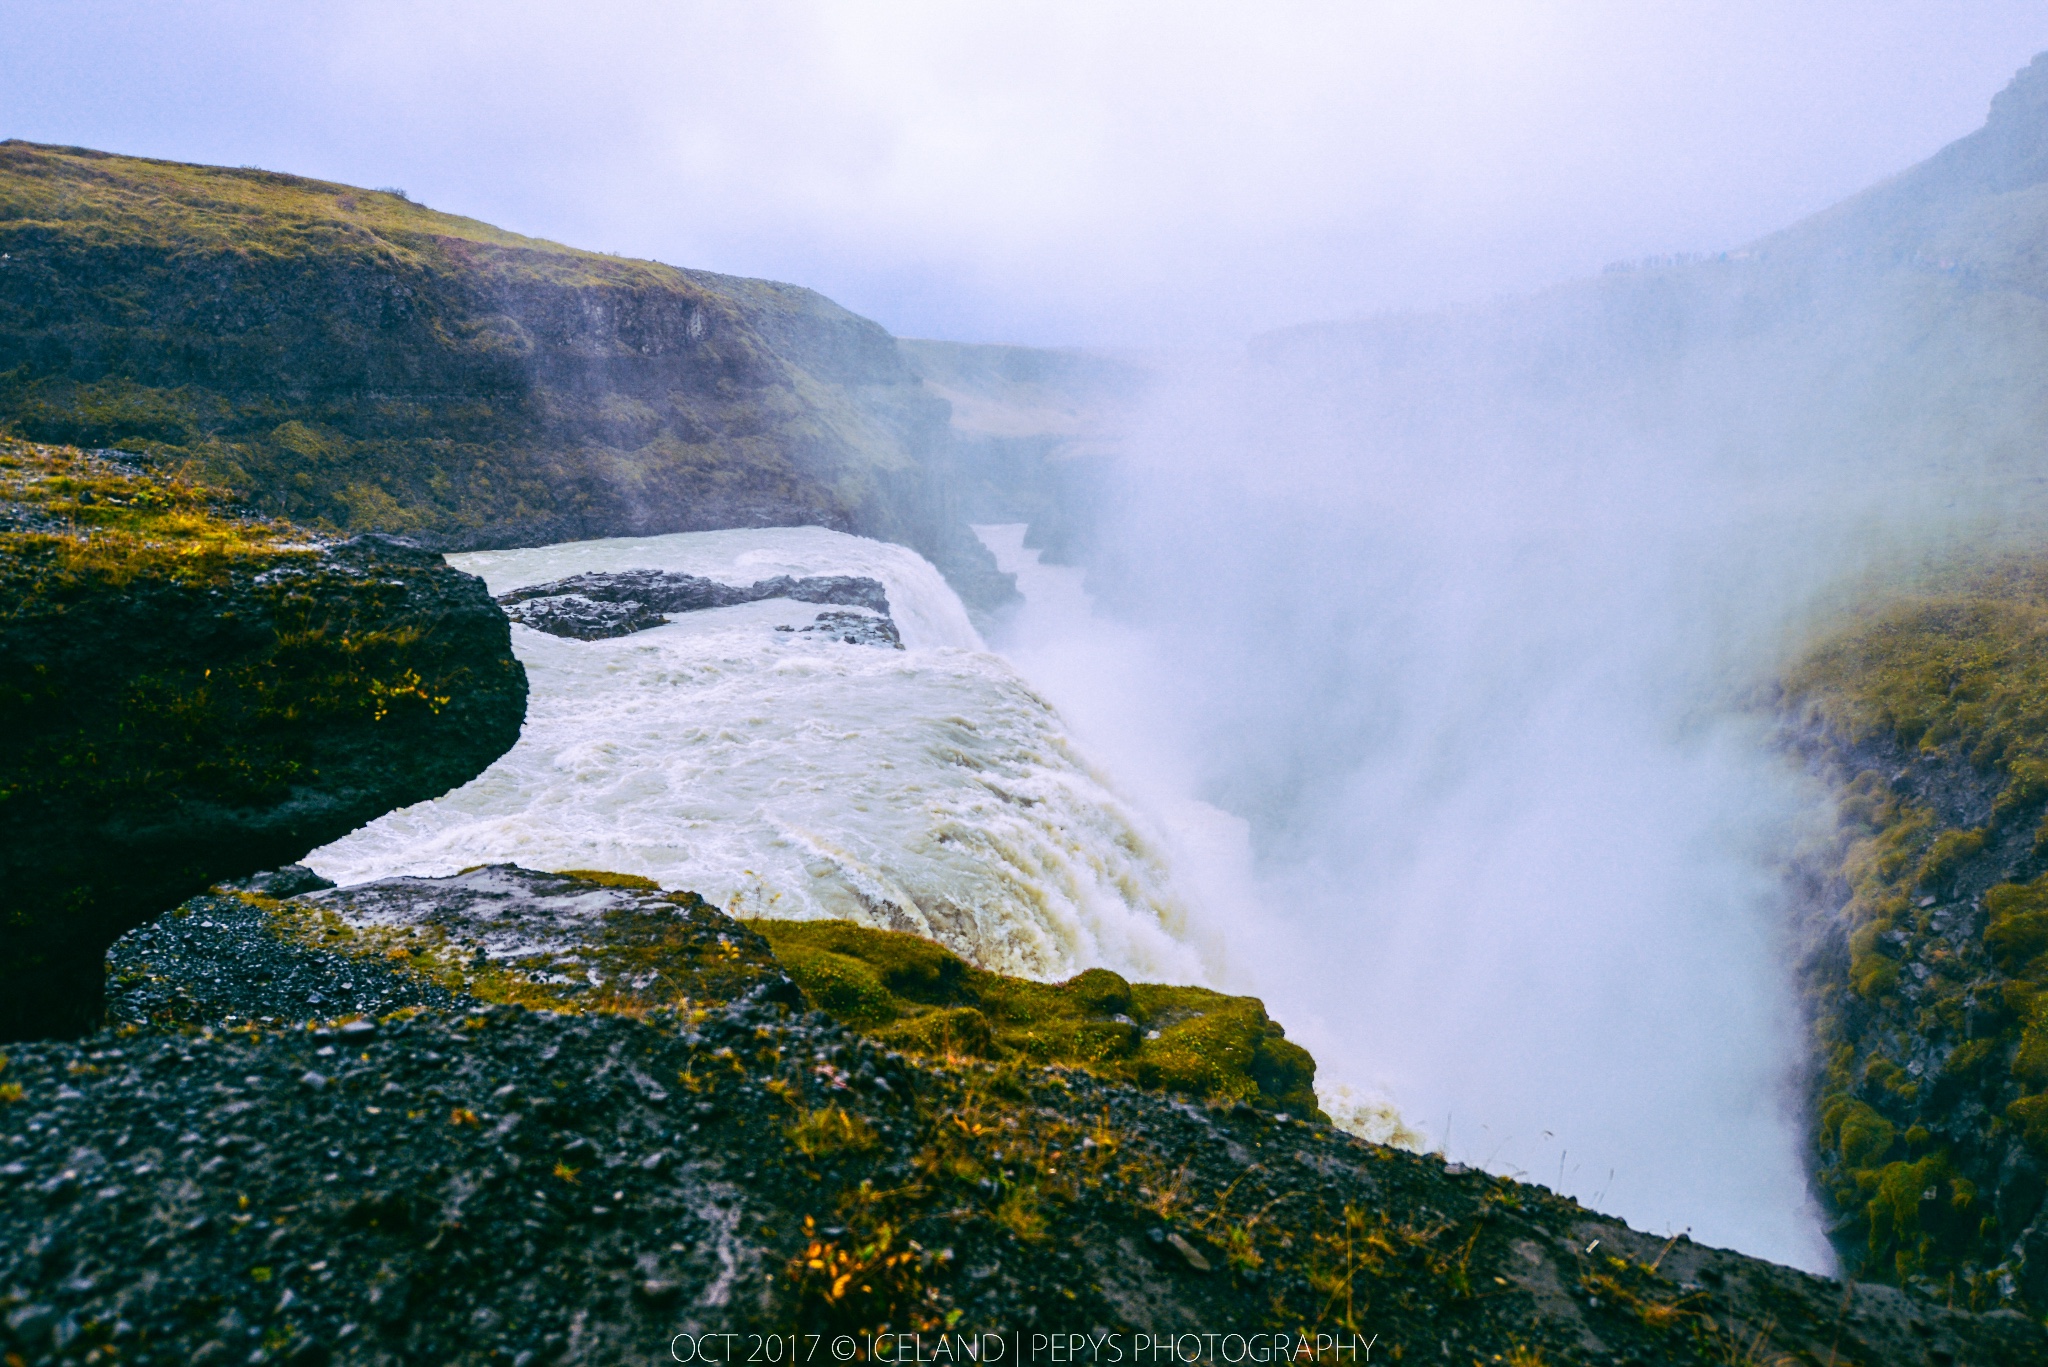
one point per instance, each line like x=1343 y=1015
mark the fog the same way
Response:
x=1473 y=622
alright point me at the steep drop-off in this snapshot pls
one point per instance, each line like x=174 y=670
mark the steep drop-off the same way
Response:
x=187 y=695
x=1927 y=920
x=350 y=359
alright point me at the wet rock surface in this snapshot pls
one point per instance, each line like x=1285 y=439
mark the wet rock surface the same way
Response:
x=600 y=605
x=480 y=1183
x=289 y=881
x=584 y=619
x=582 y=941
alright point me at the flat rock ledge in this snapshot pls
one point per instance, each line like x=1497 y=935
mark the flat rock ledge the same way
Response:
x=602 y=605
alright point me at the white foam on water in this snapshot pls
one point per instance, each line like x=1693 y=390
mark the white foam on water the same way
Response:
x=928 y=789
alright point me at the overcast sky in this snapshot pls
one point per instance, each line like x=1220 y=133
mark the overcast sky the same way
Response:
x=1094 y=173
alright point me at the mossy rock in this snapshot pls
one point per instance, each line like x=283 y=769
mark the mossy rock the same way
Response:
x=923 y=998
x=581 y=941
x=188 y=695
x=590 y=941
x=1929 y=709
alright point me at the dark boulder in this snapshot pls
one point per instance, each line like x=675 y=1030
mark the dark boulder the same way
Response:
x=187 y=697
x=581 y=618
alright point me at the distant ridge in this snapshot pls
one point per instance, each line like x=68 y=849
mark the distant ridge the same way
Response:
x=353 y=359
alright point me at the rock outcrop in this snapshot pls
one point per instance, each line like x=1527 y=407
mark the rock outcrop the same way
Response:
x=853 y=629
x=188 y=696
x=484 y=1183
x=601 y=605
x=918 y=996
x=1926 y=971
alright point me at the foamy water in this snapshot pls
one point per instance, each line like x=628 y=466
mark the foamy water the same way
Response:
x=928 y=789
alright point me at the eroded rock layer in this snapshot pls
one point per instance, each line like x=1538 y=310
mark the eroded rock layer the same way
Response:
x=1927 y=966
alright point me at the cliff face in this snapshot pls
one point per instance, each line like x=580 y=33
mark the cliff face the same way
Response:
x=1926 y=971
x=352 y=360
x=186 y=696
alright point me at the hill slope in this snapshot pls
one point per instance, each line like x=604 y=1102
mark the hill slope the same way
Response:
x=461 y=1181
x=350 y=359
x=1899 y=334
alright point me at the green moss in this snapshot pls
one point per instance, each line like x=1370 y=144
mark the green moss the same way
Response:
x=919 y=997
x=612 y=880
x=1961 y=656
x=662 y=953
x=672 y=950
x=1862 y=1136
x=1905 y=1193
x=2030 y=1115
x=2018 y=932
x=1949 y=671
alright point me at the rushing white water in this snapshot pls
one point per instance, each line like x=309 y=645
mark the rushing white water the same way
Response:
x=928 y=789
x=1108 y=680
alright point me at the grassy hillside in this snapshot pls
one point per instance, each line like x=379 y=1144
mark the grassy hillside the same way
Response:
x=356 y=361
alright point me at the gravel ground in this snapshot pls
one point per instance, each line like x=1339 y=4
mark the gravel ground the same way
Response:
x=475 y=1184
x=213 y=961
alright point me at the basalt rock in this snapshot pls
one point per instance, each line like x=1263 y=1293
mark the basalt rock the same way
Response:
x=601 y=604
x=581 y=618
x=475 y=1183
x=581 y=940
x=187 y=696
